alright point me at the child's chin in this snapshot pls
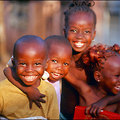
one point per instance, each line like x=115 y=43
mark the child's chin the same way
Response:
x=29 y=83
x=53 y=80
x=114 y=93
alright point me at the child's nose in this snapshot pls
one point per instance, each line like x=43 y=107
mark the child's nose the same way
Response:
x=119 y=79
x=29 y=68
x=79 y=35
x=60 y=66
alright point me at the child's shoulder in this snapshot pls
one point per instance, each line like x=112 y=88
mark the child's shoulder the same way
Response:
x=47 y=89
x=46 y=86
x=8 y=88
x=4 y=83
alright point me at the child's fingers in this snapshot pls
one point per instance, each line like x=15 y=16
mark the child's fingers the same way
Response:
x=87 y=110
x=38 y=104
x=41 y=100
x=93 y=112
x=42 y=95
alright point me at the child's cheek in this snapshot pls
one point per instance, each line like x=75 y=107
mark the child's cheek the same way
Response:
x=40 y=70
x=20 y=69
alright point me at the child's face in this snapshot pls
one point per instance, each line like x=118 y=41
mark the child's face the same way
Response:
x=29 y=64
x=80 y=31
x=111 y=75
x=59 y=59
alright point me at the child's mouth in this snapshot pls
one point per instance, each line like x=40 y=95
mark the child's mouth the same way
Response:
x=56 y=75
x=30 y=78
x=117 y=88
x=78 y=44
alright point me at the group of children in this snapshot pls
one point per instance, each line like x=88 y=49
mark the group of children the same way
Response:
x=90 y=76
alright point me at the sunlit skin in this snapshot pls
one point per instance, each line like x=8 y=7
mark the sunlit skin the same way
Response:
x=80 y=31
x=110 y=82
x=59 y=58
x=29 y=63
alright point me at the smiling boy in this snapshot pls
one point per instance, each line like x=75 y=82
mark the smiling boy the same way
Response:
x=29 y=58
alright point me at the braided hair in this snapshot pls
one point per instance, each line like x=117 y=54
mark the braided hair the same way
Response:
x=79 y=6
x=94 y=58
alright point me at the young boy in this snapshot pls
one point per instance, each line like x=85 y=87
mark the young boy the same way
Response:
x=59 y=60
x=58 y=63
x=29 y=58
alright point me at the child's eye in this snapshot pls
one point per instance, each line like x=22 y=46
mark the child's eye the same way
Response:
x=37 y=64
x=73 y=30
x=66 y=64
x=117 y=76
x=87 y=31
x=23 y=64
x=55 y=61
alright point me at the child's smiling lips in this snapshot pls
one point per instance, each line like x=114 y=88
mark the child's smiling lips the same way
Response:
x=56 y=75
x=117 y=88
x=30 y=78
x=79 y=43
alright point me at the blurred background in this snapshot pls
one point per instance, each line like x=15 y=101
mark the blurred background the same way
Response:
x=44 y=18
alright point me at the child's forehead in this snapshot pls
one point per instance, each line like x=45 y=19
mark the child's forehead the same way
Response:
x=113 y=58
x=112 y=62
x=30 y=48
x=59 y=46
x=60 y=51
x=30 y=45
x=81 y=16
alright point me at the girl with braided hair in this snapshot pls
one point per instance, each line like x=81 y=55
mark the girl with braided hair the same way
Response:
x=104 y=65
x=80 y=30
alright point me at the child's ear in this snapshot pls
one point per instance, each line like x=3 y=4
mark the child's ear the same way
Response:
x=65 y=33
x=94 y=34
x=97 y=76
x=13 y=61
x=46 y=65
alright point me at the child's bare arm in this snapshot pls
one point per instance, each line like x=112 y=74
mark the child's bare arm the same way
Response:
x=96 y=107
x=32 y=93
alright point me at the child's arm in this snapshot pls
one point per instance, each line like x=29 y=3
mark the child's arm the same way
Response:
x=96 y=107
x=32 y=93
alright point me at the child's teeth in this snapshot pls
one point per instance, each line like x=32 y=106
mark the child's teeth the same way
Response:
x=56 y=74
x=30 y=78
x=118 y=87
x=79 y=44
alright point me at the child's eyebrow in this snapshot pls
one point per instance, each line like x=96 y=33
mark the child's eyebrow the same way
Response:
x=21 y=60
x=37 y=60
x=71 y=26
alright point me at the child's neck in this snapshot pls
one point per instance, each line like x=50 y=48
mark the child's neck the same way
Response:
x=37 y=83
x=100 y=92
x=51 y=81
x=77 y=56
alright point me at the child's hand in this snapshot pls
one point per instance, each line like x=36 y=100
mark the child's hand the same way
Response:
x=34 y=96
x=95 y=108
